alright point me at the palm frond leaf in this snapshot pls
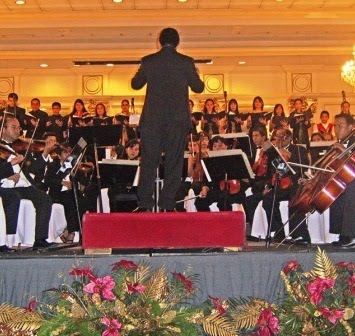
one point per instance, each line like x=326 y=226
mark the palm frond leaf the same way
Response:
x=302 y=312
x=323 y=265
x=156 y=285
x=217 y=325
x=17 y=318
x=142 y=273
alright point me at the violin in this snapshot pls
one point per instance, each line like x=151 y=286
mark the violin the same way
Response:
x=284 y=183
x=24 y=144
x=231 y=186
x=6 y=152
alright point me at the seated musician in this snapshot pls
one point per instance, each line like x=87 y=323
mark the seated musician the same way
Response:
x=60 y=189
x=342 y=211
x=128 y=203
x=287 y=187
x=217 y=191
x=262 y=169
x=20 y=181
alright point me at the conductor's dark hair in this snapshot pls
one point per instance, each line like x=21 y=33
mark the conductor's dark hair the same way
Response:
x=347 y=117
x=169 y=36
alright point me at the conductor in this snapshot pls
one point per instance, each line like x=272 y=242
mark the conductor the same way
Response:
x=165 y=120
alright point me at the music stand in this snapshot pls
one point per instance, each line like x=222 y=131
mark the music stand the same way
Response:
x=282 y=168
x=227 y=165
x=108 y=135
x=238 y=140
x=123 y=174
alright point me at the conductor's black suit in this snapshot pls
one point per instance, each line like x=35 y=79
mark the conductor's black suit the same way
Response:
x=165 y=120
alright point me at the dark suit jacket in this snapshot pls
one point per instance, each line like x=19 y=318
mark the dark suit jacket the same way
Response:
x=168 y=75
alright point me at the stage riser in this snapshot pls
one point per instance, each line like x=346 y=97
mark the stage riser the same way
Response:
x=164 y=230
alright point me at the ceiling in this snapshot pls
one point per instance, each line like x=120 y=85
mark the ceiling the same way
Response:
x=260 y=32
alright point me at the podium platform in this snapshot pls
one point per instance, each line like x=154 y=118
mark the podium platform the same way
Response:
x=173 y=230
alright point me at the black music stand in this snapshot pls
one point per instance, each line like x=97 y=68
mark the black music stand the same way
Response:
x=227 y=165
x=108 y=135
x=123 y=176
x=282 y=168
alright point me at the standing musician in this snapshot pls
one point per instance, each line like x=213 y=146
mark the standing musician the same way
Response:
x=56 y=123
x=287 y=187
x=342 y=211
x=19 y=180
x=128 y=132
x=34 y=117
x=210 y=118
x=13 y=108
x=345 y=107
x=300 y=122
x=234 y=118
x=165 y=120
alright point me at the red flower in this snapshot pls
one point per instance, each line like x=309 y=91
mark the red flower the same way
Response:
x=292 y=265
x=32 y=305
x=332 y=315
x=113 y=327
x=317 y=287
x=348 y=265
x=102 y=286
x=86 y=272
x=268 y=322
x=184 y=280
x=351 y=283
x=125 y=264
x=134 y=287
x=218 y=305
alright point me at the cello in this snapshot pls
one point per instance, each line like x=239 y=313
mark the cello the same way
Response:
x=324 y=188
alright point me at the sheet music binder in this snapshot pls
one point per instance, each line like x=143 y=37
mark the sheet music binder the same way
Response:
x=232 y=162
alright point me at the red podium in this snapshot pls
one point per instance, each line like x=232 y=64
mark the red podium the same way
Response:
x=102 y=232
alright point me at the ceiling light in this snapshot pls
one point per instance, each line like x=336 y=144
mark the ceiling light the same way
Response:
x=242 y=62
x=20 y=2
x=43 y=65
x=182 y=0
x=348 y=72
x=109 y=64
x=117 y=1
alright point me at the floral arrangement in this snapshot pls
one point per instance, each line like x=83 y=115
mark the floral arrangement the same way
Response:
x=136 y=300
x=317 y=303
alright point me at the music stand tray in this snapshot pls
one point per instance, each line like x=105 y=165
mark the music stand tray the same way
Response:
x=232 y=163
x=108 y=135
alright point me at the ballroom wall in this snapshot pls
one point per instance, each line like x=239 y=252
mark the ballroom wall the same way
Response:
x=276 y=84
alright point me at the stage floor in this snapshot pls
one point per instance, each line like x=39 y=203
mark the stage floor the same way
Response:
x=252 y=272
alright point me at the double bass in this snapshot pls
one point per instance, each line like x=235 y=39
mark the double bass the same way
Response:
x=325 y=187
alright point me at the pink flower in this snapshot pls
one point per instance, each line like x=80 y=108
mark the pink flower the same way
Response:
x=184 y=280
x=268 y=322
x=292 y=265
x=125 y=264
x=218 y=305
x=332 y=315
x=102 y=286
x=86 y=272
x=348 y=265
x=317 y=287
x=134 y=287
x=113 y=327
x=351 y=283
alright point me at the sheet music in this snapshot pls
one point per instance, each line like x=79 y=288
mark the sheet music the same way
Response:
x=322 y=143
x=136 y=178
x=134 y=119
x=232 y=135
x=120 y=162
x=208 y=177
